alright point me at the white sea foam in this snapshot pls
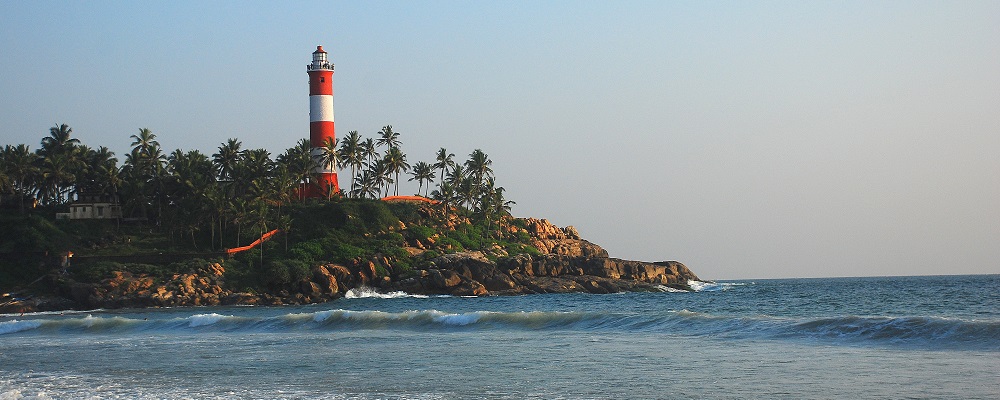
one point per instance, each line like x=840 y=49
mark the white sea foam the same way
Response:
x=668 y=289
x=204 y=319
x=367 y=292
x=18 y=326
x=704 y=286
x=458 y=319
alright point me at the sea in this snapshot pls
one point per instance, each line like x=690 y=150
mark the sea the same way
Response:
x=926 y=337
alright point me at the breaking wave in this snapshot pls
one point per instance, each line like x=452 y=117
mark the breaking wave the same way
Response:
x=929 y=332
x=367 y=292
x=707 y=286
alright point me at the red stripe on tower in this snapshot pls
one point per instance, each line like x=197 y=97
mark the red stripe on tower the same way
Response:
x=321 y=125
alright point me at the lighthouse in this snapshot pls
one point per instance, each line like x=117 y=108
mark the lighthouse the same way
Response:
x=321 y=128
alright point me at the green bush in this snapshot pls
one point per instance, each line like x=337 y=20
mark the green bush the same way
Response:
x=281 y=273
x=345 y=252
x=307 y=251
x=446 y=241
x=420 y=232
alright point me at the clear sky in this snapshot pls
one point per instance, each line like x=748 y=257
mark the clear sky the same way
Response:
x=745 y=139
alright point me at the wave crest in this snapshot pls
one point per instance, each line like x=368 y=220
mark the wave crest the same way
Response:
x=367 y=292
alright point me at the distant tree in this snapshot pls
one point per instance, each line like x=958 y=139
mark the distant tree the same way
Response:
x=57 y=177
x=422 y=172
x=188 y=185
x=479 y=166
x=20 y=165
x=445 y=194
x=369 y=150
x=443 y=161
x=388 y=138
x=328 y=159
x=395 y=162
x=298 y=162
x=143 y=174
x=58 y=141
x=226 y=158
x=352 y=154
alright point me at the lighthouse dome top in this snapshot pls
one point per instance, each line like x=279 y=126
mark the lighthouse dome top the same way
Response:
x=319 y=61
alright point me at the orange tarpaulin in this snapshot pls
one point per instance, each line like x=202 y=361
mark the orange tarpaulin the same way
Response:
x=265 y=237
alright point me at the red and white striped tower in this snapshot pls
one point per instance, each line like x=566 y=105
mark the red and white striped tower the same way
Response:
x=321 y=129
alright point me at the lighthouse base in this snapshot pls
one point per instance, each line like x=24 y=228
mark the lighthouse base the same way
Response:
x=322 y=186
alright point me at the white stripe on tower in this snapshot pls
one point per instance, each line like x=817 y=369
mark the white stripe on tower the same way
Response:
x=321 y=108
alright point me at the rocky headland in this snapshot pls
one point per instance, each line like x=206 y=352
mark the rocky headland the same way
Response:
x=565 y=263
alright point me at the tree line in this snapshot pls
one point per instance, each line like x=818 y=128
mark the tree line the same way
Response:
x=187 y=192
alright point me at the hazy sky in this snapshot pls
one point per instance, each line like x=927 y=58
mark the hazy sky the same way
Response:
x=745 y=139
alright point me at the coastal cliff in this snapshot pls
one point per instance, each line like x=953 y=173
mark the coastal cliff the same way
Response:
x=547 y=259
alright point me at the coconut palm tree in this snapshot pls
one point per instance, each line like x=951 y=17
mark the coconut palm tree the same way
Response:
x=145 y=142
x=57 y=177
x=100 y=173
x=443 y=161
x=227 y=157
x=381 y=175
x=20 y=163
x=191 y=176
x=369 y=150
x=446 y=195
x=351 y=154
x=422 y=172
x=367 y=184
x=299 y=163
x=388 y=138
x=395 y=162
x=58 y=141
x=479 y=166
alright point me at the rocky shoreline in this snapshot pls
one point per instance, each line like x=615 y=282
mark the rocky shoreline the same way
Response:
x=566 y=264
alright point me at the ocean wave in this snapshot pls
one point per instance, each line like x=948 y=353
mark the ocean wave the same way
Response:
x=902 y=330
x=205 y=319
x=707 y=286
x=13 y=326
x=920 y=331
x=367 y=292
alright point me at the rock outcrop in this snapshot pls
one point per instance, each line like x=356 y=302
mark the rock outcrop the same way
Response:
x=472 y=274
x=565 y=263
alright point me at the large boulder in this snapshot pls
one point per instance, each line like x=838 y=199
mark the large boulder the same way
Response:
x=475 y=266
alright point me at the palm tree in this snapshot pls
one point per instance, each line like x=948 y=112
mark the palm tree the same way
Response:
x=299 y=163
x=443 y=161
x=479 y=165
x=187 y=188
x=58 y=141
x=381 y=175
x=145 y=142
x=446 y=195
x=57 y=177
x=422 y=172
x=229 y=153
x=367 y=184
x=388 y=137
x=20 y=163
x=144 y=172
x=368 y=149
x=100 y=173
x=328 y=159
x=395 y=162
x=330 y=155
x=352 y=154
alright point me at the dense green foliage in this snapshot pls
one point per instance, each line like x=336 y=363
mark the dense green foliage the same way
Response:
x=187 y=205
